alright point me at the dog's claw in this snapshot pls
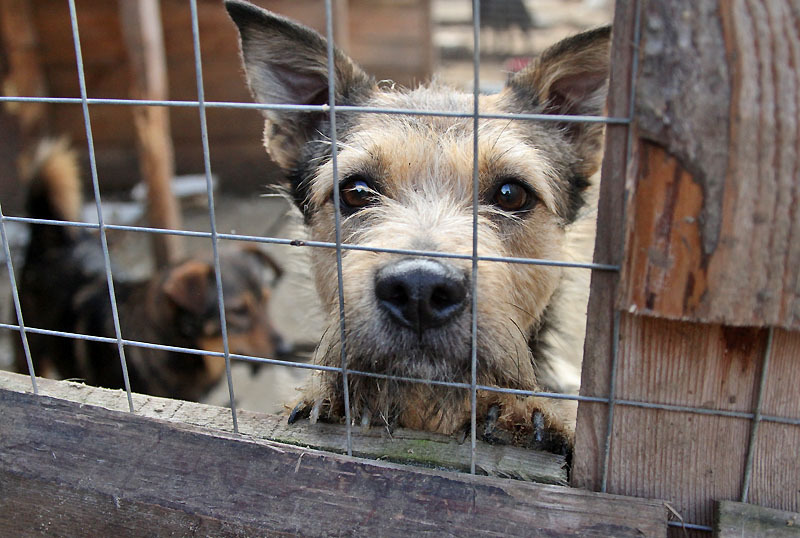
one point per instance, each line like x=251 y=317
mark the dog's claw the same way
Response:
x=314 y=415
x=547 y=438
x=301 y=410
x=538 y=427
x=491 y=423
x=366 y=418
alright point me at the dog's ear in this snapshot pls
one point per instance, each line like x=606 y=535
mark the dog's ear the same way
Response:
x=569 y=78
x=287 y=63
x=264 y=259
x=187 y=285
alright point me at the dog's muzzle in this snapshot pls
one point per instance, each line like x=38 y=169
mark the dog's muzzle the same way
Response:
x=421 y=294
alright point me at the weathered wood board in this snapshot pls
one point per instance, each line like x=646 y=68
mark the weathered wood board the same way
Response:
x=713 y=231
x=738 y=519
x=68 y=468
x=599 y=343
x=402 y=446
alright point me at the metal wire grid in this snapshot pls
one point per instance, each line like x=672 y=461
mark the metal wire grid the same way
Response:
x=757 y=417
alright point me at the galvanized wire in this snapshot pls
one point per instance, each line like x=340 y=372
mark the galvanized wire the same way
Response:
x=319 y=244
x=476 y=57
x=17 y=307
x=198 y=66
x=751 y=443
x=338 y=222
x=318 y=108
x=450 y=384
x=637 y=37
x=98 y=205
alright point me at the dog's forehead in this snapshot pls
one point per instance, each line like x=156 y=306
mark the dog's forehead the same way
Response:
x=413 y=150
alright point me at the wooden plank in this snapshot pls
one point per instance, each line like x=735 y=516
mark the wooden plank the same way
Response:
x=713 y=226
x=735 y=519
x=599 y=343
x=688 y=459
x=695 y=459
x=404 y=55
x=776 y=474
x=143 y=33
x=140 y=475
x=402 y=446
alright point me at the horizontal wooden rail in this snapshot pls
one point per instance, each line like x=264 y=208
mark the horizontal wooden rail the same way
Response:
x=70 y=467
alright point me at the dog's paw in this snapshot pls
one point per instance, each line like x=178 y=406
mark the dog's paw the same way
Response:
x=530 y=423
x=310 y=409
x=549 y=436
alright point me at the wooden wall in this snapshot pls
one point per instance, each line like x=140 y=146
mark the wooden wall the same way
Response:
x=390 y=39
x=707 y=195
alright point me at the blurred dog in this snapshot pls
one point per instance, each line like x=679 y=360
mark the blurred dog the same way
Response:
x=63 y=287
x=405 y=181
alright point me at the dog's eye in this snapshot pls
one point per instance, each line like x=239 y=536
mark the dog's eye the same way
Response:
x=512 y=196
x=356 y=193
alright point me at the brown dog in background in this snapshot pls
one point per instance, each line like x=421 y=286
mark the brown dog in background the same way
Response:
x=63 y=287
x=406 y=182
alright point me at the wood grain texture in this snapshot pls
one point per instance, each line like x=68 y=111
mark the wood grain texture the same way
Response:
x=688 y=459
x=738 y=519
x=65 y=466
x=403 y=446
x=686 y=187
x=713 y=220
x=598 y=346
x=776 y=472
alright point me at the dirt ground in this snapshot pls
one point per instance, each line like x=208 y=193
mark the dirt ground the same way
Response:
x=294 y=307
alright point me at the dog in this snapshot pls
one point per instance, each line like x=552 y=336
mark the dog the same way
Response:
x=63 y=287
x=405 y=181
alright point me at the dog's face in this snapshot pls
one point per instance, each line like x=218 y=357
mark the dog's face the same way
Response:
x=406 y=182
x=190 y=292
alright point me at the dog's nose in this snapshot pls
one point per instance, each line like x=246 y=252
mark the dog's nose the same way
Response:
x=420 y=293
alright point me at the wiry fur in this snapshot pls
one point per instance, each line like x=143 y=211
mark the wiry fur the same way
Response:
x=531 y=318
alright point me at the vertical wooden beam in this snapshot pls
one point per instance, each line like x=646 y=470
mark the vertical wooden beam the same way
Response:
x=599 y=344
x=141 y=25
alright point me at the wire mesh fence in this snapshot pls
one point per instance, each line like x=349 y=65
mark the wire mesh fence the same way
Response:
x=341 y=247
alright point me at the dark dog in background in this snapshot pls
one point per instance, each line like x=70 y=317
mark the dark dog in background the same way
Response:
x=406 y=181
x=63 y=287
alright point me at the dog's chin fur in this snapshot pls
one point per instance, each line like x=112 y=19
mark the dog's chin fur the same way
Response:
x=419 y=172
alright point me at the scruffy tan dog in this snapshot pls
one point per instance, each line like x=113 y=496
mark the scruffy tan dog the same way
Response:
x=406 y=182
